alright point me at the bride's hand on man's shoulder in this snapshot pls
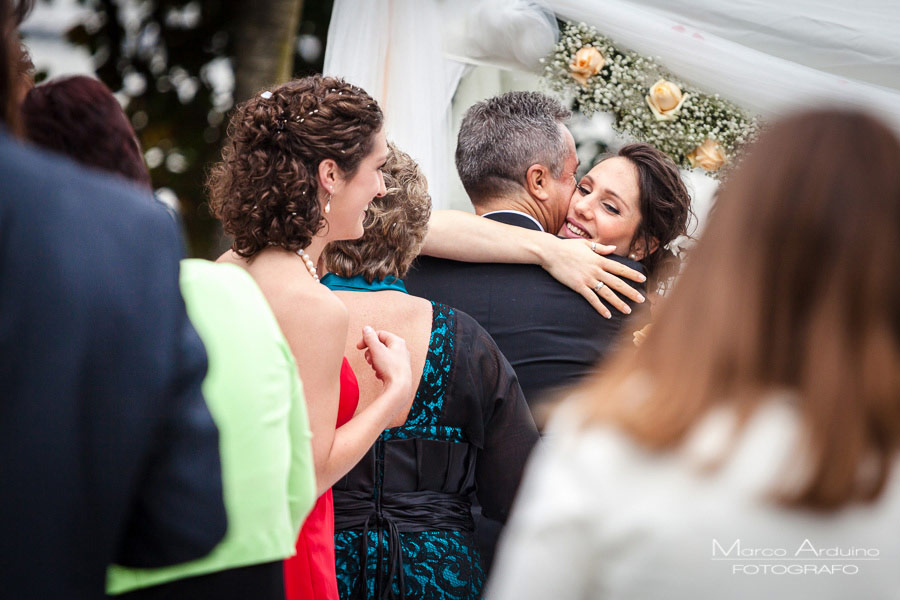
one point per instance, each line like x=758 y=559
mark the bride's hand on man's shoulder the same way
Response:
x=582 y=266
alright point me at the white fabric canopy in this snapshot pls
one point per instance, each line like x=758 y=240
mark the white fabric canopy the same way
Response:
x=856 y=40
x=762 y=82
x=392 y=49
x=768 y=56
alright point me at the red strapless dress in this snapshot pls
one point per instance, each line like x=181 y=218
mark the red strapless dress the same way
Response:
x=310 y=574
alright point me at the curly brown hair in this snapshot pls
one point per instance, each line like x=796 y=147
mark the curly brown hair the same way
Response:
x=265 y=190
x=395 y=225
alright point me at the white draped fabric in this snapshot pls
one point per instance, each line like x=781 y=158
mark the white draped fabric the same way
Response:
x=769 y=56
x=392 y=49
x=848 y=38
x=855 y=40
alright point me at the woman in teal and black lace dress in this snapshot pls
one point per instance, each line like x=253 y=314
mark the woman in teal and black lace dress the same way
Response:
x=403 y=521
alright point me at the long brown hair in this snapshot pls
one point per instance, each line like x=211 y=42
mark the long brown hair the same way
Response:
x=793 y=287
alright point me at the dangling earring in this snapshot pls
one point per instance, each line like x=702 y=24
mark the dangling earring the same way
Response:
x=328 y=205
x=632 y=256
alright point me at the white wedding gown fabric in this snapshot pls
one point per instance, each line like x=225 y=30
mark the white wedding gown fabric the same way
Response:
x=769 y=56
x=392 y=49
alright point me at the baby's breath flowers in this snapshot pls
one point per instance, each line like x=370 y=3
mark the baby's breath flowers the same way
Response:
x=647 y=102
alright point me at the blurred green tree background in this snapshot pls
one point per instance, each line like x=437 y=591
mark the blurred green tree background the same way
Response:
x=181 y=66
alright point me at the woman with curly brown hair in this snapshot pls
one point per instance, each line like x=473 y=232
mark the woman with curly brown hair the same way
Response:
x=403 y=517
x=301 y=164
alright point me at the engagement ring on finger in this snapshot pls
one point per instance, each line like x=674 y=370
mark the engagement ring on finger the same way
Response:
x=599 y=286
x=594 y=246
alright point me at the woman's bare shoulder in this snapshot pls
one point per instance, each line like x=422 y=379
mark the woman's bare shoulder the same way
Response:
x=294 y=296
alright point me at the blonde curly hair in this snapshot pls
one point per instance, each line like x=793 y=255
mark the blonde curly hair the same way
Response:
x=395 y=226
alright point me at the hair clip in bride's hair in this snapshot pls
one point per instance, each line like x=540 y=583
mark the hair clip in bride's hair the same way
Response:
x=266 y=95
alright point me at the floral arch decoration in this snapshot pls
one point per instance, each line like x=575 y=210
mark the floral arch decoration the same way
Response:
x=647 y=102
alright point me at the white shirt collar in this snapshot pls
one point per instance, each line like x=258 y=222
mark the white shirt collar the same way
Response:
x=515 y=212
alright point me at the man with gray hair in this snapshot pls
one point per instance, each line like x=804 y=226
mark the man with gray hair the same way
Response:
x=517 y=161
x=515 y=154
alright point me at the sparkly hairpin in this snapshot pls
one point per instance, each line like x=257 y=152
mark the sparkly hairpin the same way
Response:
x=280 y=121
x=266 y=95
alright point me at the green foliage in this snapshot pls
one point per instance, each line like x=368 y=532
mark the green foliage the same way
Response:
x=163 y=56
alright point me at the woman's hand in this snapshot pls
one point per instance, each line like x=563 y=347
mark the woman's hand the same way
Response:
x=388 y=356
x=581 y=266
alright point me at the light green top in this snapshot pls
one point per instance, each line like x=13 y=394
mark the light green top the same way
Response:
x=256 y=399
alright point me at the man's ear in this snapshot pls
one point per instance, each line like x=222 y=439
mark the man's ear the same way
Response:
x=328 y=175
x=537 y=181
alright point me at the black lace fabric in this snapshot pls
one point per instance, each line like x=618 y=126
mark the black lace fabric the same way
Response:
x=403 y=522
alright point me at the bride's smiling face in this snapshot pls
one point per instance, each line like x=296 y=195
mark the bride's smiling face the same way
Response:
x=605 y=206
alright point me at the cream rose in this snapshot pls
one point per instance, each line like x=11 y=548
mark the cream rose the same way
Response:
x=665 y=100
x=587 y=62
x=708 y=155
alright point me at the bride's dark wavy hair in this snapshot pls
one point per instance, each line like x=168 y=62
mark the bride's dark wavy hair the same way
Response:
x=665 y=206
x=265 y=190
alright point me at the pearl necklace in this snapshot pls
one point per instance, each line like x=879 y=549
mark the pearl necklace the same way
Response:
x=309 y=263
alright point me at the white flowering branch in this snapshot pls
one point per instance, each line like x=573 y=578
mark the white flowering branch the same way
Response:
x=647 y=102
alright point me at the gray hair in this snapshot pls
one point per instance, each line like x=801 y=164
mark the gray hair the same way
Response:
x=501 y=137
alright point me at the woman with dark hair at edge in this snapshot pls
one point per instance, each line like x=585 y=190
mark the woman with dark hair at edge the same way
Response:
x=301 y=164
x=747 y=449
x=80 y=117
x=403 y=518
x=256 y=398
x=632 y=203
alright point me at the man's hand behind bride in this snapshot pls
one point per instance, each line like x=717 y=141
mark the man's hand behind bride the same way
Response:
x=575 y=264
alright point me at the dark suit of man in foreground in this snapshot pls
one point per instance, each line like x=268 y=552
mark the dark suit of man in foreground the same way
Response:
x=107 y=450
x=517 y=160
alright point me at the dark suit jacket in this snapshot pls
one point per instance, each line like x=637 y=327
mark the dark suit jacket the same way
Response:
x=107 y=450
x=550 y=334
